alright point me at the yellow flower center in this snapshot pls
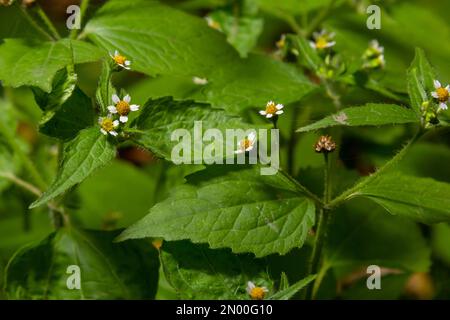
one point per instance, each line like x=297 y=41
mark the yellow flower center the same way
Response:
x=281 y=43
x=120 y=59
x=442 y=94
x=257 y=293
x=123 y=108
x=246 y=143
x=321 y=43
x=271 y=108
x=107 y=124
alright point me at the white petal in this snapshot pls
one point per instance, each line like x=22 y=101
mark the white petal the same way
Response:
x=265 y=289
x=269 y=115
x=434 y=94
x=437 y=84
x=112 y=109
x=116 y=123
x=443 y=106
x=270 y=102
x=250 y=287
x=111 y=55
x=100 y=119
x=116 y=53
x=262 y=112
x=250 y=148
x=127 y=98
x=127 y=62
x=134 y=107
x=279 y=112
x=128 y=68
x=279 y=106
x=251 y=137
x=123 y=119
x=113 y=133
x=103 y=131
x=447 y=87
x=115 y=98
x=239 y=151
x=330 y=44
x=312 y=44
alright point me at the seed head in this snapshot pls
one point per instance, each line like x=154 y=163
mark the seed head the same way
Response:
x=325 y=144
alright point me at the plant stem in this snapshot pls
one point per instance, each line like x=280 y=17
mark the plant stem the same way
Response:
x=353 y=191
x=48 y=22
x=320 y=18
x=34 y=23
x=83 y=8
x=302 y=188
x=321 y=232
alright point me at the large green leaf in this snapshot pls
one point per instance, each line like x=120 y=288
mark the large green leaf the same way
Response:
x=368 y=115
x=232 y=207
x=160 y=118
x=75 y=114
x=420 y=80
x=361 y=234
x=420 y=199
x=161 y=40
x=197 y=272
x=107 y=270
x=89 y=151
x=105 y=88
x=26 y=62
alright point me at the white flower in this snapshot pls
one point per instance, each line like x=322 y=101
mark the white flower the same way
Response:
x=122 y=107
x=108 y=126
x=121 y=60
x=246 y=144
x=256 y=293
x=272 y=109
x=441 y=94
x=322 y=40
x=376 y=46
x=200 y=81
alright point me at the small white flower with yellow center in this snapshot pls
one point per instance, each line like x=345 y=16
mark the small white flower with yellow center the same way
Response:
x=322 y=40
x=272 y=109
x=108 y=125
x=256 y=293
x=246 y=144
x=122 y=107
x=441 y=94
x=121 y=60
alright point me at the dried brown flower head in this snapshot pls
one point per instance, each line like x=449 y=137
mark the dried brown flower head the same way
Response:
x=325 y=144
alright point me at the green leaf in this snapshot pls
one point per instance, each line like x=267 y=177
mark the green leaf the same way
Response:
x=25 y=62
x=148 y=33
x=107 y=270
x=420 y=80
x=370 y=114
x=160 y=118
x=289 y=292
x=197 y=272
x=105 y=88
x=308 y=56
x=75 y=114
x=420 y=199
x=361 y=234
x=14 y=23
x=89 y=151
x=242 y=31
x=237 y=208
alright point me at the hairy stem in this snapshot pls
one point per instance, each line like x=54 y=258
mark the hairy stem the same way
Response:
x=33 y=22
x=301 y=188
x=321 y=232
x=83 y=9
x=48 y=23
x=352 y=191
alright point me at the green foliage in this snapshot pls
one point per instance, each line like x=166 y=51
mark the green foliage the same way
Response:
x=89 y=151
x=239 y=209
x=40 y=271
x=367 y=115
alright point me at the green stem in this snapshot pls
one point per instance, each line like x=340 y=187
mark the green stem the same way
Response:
x=320 y=18
x=321 y=232
x=83 y=9
x=353 y=191
x=33 y=22
x=48 y=23
x=303 y=189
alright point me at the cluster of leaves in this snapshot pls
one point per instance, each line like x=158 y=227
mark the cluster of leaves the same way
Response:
x=222 y=225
